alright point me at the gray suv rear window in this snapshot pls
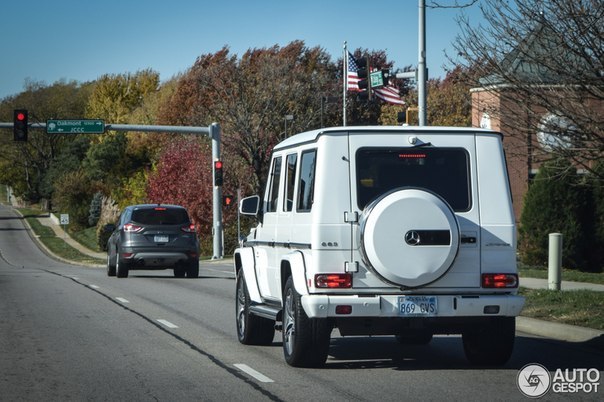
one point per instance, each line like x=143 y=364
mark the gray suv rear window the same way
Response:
x=160 y=216
x=444 y=171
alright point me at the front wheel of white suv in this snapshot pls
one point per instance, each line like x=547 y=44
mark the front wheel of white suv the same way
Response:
x=305 y=340
x=251 y=329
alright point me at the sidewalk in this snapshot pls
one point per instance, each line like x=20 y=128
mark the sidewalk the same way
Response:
x=47 y=221
x=534 y=283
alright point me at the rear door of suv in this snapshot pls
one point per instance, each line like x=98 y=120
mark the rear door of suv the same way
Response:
x=442 y=164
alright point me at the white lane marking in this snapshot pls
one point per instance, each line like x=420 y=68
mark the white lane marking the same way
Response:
x=94 y=287
x=121 y=299
x=259 y=376
x=167 y=323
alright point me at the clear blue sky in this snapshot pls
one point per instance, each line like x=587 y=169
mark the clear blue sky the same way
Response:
x=43 y=40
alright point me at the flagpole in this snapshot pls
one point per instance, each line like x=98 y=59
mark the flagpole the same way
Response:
x=344 y=82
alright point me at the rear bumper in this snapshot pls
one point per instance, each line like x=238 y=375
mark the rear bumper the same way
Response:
x=324 y=306
x=154 y=259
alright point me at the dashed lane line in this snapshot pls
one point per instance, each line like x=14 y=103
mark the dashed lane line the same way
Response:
x=250 y=371
x=167 y=324
x=234 y=371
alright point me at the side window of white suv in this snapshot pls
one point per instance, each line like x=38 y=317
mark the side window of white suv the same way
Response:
x=275 y=182
x=306 y=184
x=290 y=181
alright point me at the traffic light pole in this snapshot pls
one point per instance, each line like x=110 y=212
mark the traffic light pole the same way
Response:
x=217 y=231
x=213 y=131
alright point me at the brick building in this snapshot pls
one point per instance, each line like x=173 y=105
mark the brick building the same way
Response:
x=524 y=113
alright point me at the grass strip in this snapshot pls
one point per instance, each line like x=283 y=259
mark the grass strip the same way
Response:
x=584 y=308
x=567 y=274
x=55 y=244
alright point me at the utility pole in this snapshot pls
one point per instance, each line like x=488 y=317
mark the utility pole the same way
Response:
x=421 y=64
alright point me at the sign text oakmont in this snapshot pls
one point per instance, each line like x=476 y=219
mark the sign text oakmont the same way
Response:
x=83 y=126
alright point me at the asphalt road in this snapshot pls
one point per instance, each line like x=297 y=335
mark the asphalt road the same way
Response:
x=72 y=333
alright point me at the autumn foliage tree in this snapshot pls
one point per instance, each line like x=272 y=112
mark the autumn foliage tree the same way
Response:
x=449 y=102
x=250 y=97
x=183 y=176
x=24 y=166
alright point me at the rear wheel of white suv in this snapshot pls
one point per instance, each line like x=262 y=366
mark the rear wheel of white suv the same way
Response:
x=492 y=343
x=305 y=340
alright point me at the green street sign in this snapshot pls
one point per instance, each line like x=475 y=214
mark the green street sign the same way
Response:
x=83 y=126
x=377 y=79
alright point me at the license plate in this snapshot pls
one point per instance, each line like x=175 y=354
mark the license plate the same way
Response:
x=417 y=305
x=161 y=239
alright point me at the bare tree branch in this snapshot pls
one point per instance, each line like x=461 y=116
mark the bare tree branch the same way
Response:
x=456 y=4
x=545 y=58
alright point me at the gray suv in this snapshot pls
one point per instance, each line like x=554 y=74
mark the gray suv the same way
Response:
x=153 y=236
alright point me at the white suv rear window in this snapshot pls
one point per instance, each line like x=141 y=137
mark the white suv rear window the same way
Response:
x=444 y=171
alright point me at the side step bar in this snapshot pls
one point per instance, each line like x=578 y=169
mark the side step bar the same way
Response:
x=262 y=310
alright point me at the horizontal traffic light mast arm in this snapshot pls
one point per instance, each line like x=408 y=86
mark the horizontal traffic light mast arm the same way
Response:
x=158 y=129
x=134 y=127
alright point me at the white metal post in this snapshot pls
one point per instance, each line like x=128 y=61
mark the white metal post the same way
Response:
x=554 y=263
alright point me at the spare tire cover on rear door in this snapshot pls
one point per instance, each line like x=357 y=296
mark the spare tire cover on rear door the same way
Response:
x=409 y=237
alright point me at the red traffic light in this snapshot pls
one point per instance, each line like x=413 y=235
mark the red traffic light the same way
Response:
x=218 y=173
x=20 y=124
x=227 y=200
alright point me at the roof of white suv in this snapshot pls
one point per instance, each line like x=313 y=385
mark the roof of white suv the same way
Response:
x=311 y=136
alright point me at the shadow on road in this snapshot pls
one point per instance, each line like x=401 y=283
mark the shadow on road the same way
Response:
x=446 y=353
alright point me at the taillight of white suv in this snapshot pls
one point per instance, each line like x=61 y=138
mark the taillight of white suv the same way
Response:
x=499 y=281
x=333 y=281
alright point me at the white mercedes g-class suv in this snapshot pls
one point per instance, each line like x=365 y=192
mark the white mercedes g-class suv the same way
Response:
x=405 y=231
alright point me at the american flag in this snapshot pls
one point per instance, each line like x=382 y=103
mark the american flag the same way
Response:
x=388 y=93
x=352 y=74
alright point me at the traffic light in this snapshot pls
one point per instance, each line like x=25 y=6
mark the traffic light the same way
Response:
x=227 y=200
x=218 y=173
x=364 y=83
x=20 y=125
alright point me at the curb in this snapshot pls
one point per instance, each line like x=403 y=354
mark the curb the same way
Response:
x=558 y=331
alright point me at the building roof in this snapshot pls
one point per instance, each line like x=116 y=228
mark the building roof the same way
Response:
x=530 y=61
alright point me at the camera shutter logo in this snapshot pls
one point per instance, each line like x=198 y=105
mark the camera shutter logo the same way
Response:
x=534 y=380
